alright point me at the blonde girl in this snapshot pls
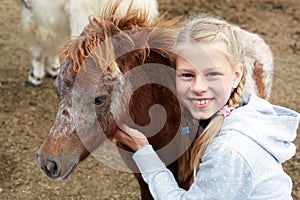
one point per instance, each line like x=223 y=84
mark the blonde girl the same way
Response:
x=242 y=139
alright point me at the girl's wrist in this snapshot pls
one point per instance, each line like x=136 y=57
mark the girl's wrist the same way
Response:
x=141 y=144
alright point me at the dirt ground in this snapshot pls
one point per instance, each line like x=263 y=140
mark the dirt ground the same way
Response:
x=27 y=113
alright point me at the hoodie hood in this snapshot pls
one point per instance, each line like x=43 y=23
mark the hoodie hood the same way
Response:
x=274 y=128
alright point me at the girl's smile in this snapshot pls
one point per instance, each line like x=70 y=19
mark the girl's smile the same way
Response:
x=201 y=102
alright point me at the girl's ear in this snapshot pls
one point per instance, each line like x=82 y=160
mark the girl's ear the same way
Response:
x=238 y=74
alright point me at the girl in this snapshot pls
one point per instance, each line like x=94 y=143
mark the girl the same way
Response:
x=243 y=139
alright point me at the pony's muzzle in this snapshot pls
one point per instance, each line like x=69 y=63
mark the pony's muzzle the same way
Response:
x=50 y=167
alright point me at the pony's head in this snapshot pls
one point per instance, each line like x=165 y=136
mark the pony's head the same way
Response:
x=94 y=88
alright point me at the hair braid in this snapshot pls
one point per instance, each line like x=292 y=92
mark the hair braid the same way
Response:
x=193 y=155
x=237 y=95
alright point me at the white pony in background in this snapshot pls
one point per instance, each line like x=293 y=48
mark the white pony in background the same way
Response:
x=47 y=24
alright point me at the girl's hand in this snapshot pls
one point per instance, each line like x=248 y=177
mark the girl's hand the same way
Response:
x=131 y=137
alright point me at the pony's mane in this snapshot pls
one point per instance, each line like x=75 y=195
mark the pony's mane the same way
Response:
x=98 y=39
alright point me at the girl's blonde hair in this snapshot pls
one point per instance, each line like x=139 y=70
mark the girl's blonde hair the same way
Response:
x=209 y=29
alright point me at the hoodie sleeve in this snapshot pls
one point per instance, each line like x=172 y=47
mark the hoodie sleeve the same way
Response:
x=223 y=174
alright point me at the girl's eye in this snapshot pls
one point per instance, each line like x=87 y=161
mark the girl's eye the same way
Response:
x=213 y=74
x=100 y=99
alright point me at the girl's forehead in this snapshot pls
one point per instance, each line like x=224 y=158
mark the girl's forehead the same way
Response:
x=193 y=48
x=201 y=54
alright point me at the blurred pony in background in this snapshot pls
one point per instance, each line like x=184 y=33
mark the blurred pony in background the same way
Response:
x=48 y=24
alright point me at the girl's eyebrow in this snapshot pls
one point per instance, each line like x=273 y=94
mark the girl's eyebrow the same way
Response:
x=213 y=68
x=186 y=68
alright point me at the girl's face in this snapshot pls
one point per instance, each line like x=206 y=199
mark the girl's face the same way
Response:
x=205 y=78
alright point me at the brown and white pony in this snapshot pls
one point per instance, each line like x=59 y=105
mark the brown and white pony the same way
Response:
x=121 y=68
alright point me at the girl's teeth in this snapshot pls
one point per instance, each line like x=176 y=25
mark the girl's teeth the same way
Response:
x=200 y=102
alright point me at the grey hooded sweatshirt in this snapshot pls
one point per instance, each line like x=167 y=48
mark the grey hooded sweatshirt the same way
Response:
x=243 y=162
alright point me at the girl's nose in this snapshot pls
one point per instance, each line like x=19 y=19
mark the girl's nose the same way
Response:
x=199 y=85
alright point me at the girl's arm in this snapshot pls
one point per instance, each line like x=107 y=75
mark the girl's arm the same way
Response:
x=223 y=174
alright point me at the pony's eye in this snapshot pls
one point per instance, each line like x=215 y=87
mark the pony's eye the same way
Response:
x=100 y=99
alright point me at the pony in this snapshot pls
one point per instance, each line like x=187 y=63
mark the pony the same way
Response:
x=46 y=25
x=121 y=69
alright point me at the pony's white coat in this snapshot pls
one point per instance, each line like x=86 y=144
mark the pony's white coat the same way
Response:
x=47 y=24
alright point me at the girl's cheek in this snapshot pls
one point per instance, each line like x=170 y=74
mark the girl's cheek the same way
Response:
x=181 y=87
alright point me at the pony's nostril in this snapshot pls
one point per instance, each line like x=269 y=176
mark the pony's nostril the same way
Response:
x=52 y=168
x=49 y=166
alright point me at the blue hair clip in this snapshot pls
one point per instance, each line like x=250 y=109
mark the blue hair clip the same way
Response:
x=185 y=130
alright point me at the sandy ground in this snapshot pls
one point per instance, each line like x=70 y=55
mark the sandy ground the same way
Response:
x=27 y=113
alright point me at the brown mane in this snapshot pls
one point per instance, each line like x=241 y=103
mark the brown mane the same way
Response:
x=96 y=40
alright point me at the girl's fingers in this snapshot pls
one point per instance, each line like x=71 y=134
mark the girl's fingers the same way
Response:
x=133 y=133
x=130 y=137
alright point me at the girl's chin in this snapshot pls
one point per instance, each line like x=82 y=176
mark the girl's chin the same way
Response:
x=201 y=116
